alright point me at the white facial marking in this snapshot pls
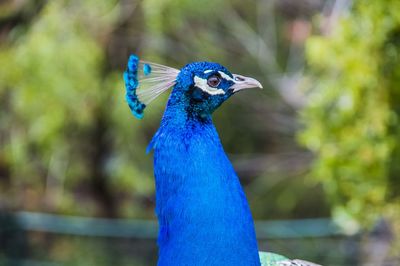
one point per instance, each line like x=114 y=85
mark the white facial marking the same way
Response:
x=225 y=76
x=208 y=71
x=202 y=84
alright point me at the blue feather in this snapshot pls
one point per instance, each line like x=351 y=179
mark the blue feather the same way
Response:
x=131 y=84
x=147 y=69
x=202 y=210
x=144 y=82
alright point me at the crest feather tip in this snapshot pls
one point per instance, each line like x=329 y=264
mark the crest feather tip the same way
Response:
x=143 y=85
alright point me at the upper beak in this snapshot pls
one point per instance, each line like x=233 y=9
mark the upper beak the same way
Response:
x=242 y=82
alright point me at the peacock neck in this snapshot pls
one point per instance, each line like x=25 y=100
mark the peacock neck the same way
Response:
x=202 y=210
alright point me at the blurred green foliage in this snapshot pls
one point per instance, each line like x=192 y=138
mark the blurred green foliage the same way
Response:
x=61 y=107
x=352 y=120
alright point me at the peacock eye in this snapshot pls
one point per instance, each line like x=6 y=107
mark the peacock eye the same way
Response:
x=213 y=81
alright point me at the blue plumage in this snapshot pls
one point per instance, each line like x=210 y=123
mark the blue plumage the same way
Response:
x=131 y=83
x=202 y=210
x=203 y=213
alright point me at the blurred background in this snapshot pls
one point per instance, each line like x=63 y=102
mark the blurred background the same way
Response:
x=318 y=150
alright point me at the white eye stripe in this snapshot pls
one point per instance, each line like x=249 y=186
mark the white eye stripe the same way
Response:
x=202 y=84
x=225 y=76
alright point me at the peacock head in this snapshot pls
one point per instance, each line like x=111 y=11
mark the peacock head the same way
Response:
x=199 y=88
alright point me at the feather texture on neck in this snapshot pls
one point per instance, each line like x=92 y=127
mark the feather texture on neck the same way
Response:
x=202 y=210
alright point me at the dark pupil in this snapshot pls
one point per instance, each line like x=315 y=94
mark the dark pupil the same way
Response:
x=213 y=81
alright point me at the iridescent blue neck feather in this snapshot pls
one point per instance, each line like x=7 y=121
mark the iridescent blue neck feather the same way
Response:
x=202 y=210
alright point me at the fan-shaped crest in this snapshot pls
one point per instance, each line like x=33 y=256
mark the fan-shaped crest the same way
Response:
x=145 y=81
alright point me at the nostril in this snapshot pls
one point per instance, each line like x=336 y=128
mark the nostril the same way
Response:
x=239 y=79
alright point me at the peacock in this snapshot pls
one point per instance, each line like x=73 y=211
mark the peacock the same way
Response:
x=203 y=214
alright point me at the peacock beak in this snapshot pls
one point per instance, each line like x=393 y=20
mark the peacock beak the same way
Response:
x=242 y=82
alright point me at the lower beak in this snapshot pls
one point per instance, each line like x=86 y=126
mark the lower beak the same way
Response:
x=242 y=82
